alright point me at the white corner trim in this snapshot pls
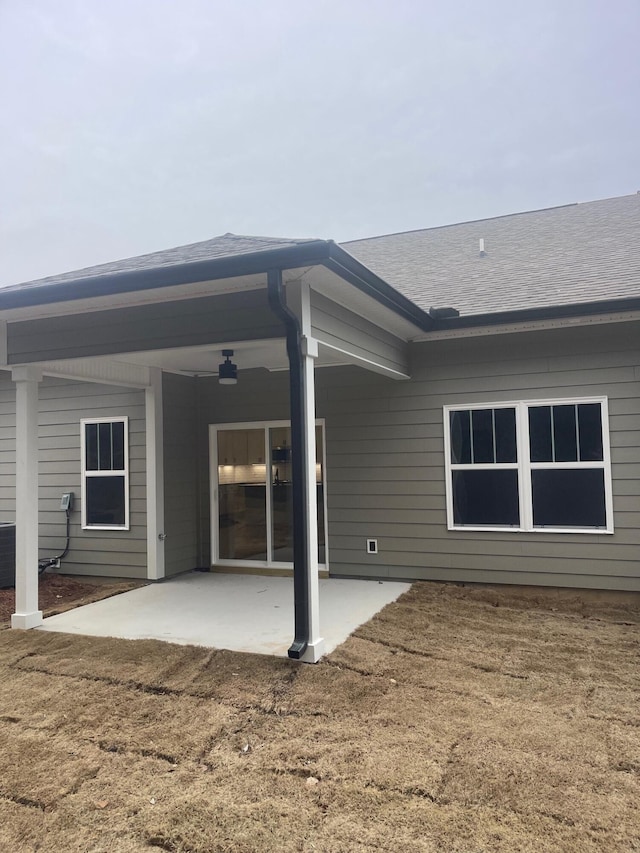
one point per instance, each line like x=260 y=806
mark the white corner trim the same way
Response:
x=3 y=343
x=155 y=476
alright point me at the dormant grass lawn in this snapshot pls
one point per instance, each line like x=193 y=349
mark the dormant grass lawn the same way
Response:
x=459 y=720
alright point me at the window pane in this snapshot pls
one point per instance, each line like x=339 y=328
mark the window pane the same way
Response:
x=117 y=436
x=242 y=490
x=91 y=446
x=505 y=423
x=482 y=435
x=568 y=498
x=104 y=447
x=322 y=551
x=590 y=431
x=281 y=494
x=105 y=501
x=460 y=438
x=486 y=497
x=564 y=434
x=540 y=445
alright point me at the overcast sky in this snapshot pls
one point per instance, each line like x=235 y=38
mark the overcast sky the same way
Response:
x=130 y=126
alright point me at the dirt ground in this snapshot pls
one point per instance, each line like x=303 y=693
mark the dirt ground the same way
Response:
x=459 y=720
x=57 y=593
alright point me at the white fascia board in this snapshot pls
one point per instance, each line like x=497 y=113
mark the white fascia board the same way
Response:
x=133 y=298
x=527 y=326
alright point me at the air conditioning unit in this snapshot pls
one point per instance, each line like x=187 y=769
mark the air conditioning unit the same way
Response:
x=7 y=555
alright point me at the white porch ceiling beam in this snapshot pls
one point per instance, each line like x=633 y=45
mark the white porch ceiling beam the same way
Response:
x=350 y=357
x=103 y=370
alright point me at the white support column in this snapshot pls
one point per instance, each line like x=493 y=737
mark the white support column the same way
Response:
x=299 y=300
x=27 y=614
x=315 y=647
x=155 y=475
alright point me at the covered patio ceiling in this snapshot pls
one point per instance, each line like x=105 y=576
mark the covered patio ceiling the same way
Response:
x=248 y=355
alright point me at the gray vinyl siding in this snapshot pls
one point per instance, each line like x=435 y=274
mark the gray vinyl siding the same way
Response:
x=385 y=456
x=62 y=403
x=7 y=448
x=180 y=474
x=387 y=473
x=232 y=316
x=340 y=328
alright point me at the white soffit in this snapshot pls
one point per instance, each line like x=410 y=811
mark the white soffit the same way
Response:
x=132 y=368
x=204 y=360
x=331 y=285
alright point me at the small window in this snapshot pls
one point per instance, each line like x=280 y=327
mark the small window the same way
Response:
x=105 y=474
x=529 y=466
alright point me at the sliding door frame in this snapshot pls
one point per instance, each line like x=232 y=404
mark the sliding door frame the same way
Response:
x=214 y=496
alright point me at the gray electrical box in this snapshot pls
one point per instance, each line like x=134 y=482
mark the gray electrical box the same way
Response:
x=67 y=501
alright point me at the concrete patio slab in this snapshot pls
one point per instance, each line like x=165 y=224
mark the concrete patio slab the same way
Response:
x=245 y=613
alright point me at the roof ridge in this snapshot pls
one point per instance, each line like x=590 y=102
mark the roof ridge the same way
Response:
x=265 y=238
x=463 y=222
x=487 y=219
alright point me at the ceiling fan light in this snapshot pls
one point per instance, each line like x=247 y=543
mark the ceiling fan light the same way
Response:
x=227 y=371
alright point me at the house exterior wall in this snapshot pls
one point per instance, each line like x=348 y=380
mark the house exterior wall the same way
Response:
x=385 y=456
x=386 y=477
x=114 y=553
x=181 y=474
x=385 y=460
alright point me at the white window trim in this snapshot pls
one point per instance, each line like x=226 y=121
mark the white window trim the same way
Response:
x=213 y=490
x=83 y=488
x=525 y=466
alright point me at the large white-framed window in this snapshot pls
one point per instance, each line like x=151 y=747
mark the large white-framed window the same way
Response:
x=533 y=465
x=252 y=494
x=105 y=473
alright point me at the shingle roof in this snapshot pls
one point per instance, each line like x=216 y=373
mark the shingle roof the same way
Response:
x=225 y=246
x=559 y=256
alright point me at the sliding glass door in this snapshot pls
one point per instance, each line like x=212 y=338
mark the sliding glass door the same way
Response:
x=251 y=486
